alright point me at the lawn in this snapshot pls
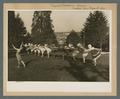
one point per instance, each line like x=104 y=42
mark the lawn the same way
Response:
x=58 y=69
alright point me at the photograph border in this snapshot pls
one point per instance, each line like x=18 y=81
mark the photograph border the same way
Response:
x=61 y=6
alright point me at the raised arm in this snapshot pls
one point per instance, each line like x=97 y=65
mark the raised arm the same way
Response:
x=14 y=47
x=81 y=46
x=21 y=45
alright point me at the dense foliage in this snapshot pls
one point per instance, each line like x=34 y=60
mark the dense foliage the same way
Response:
x=17 y=32
x=42 y=28
x=96 y=30
x=73 y=38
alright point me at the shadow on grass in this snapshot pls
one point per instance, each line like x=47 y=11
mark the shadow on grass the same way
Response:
x=87 y=72
x=28 y=62
x=53 y=69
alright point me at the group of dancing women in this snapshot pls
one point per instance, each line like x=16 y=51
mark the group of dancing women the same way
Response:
x=39 y=49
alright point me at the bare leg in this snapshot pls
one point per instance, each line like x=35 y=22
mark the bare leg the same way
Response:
x=84 y=56
x=74 y=56
x=94 y=60
x=18 y=64
x=83 y=59
x=38 y=52
x=23 y=63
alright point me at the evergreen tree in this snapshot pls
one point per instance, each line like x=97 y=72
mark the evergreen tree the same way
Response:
x=105 y=45
x=95 y=29
x=20 y=29
x=42 y=28
x=11 y=24
x=16 y=29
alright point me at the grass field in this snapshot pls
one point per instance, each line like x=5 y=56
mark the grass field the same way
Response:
x=57 y=69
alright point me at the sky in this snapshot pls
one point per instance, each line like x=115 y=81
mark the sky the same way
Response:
x=63 y=21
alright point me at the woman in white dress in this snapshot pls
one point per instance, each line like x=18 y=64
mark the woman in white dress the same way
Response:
x=95 y=52
x=18 y=55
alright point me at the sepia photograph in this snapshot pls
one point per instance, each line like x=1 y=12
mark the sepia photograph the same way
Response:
x=59 y=45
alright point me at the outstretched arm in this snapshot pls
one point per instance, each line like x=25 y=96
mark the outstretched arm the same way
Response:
x=14 y=47
x=21 y=45
x=97 y=49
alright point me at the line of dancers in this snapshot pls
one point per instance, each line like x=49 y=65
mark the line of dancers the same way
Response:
x=38 y=49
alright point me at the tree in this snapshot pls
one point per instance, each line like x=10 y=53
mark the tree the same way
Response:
x=73 y=38
x=95 y=29
x=20 y=29
x=105 y=45
x=42 y=28
x=27 y=38
x=16 y=29
x=11 y=24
